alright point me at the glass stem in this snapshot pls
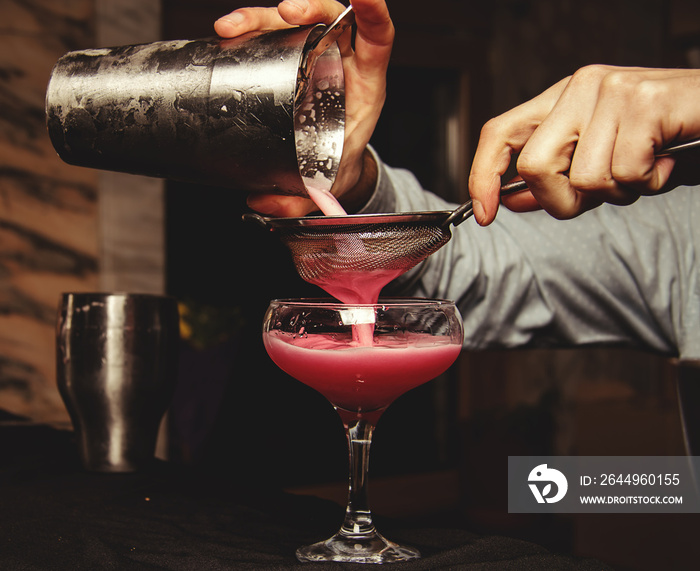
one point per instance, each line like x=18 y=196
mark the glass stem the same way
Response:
x=358 y=517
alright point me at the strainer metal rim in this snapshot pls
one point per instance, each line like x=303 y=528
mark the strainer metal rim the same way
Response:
x=437 y=217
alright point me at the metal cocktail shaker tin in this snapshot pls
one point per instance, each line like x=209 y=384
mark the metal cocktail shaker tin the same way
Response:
x=219 y=112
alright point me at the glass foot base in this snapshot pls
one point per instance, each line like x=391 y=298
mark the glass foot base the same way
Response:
x=371 y=549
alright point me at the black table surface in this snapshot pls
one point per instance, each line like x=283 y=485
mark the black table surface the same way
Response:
x=55 y=516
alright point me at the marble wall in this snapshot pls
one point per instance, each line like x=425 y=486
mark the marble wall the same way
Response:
x=59 y=231
x=48 y=210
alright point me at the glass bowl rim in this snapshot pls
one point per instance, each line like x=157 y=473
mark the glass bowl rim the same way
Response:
x=331 y=303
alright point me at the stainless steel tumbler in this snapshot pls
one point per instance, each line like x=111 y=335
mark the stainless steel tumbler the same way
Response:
x=236 y=113
x=116 y=372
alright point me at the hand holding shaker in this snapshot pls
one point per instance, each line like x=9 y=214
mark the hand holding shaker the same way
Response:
x=238 y=113
x=116 y=357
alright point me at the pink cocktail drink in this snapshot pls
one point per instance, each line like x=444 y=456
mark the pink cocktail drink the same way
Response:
x=357 y=287
x=360 y=286
x=361 y=379
x=401 y=344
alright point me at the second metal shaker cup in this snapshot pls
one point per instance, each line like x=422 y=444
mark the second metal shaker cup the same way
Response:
x=116 y=368
x=218 y=112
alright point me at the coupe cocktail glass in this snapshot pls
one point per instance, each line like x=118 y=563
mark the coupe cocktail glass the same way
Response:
x=361 y=357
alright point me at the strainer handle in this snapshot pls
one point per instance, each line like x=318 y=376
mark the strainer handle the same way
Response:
x=465 y=210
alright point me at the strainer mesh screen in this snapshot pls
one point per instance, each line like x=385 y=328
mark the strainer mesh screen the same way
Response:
x=323 y=252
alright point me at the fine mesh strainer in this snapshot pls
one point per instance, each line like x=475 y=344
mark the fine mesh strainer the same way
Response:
x=325 y=248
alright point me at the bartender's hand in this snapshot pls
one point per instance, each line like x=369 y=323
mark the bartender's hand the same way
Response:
x=365 y=88
x=589 y=139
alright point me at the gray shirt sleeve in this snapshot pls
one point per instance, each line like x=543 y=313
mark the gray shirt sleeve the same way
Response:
x=617 y=275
